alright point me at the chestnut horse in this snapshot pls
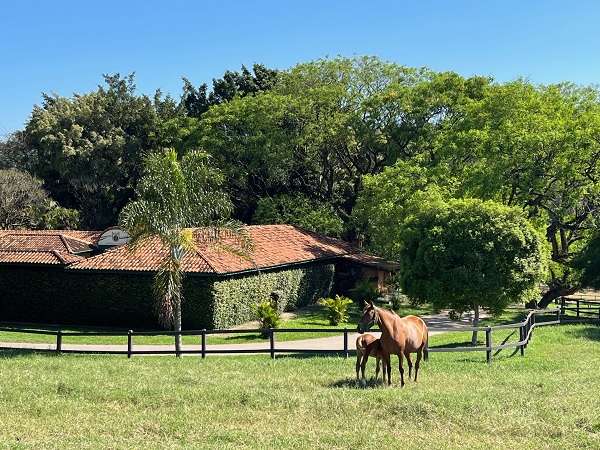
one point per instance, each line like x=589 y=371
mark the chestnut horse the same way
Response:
x=399 y=336
x=368 y=345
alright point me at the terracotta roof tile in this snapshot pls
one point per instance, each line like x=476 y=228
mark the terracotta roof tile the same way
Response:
x=59 y=240
x=274 y=246
x=51 y=257
x=45 y=246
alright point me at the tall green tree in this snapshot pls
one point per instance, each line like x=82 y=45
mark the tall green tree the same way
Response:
x=20 y=194
x=180 y=204
x=14 y=153
x=469 y=254
x=196 y=101
x=328 y=123
x=88 y=148
x=536 y=148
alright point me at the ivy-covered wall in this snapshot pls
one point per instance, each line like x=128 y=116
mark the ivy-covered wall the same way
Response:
x=47 y=294
x=296 y=287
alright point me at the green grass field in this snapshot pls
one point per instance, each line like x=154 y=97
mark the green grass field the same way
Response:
x=547 y=399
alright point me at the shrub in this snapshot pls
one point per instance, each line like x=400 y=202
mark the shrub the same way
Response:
x=267 y=314
x=337 y=308
x=364 y=290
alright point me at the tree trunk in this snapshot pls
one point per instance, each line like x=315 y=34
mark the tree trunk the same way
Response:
x=555 y=292
x=475 y=323
x=177 y=327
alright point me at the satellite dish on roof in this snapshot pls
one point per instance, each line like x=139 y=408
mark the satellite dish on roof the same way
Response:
x=113 y=236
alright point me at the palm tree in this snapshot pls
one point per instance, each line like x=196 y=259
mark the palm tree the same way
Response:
x=180 y=204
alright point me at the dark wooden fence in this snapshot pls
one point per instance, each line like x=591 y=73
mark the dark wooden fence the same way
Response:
x=525 y=331
x=578 y=308
x=569 y=311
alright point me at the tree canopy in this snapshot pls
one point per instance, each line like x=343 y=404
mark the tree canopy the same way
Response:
x=88 y=149
x=338 y=146
x=20 y=194
x=467 y=253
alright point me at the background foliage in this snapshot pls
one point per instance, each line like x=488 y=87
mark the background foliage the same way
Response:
x=338 y=146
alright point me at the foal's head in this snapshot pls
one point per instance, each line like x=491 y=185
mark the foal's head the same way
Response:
x=368 y=319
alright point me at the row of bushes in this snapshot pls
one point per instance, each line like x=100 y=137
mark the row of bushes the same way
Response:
x=45 y=294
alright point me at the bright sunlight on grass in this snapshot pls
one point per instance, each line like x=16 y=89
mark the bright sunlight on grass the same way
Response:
x=546 y=399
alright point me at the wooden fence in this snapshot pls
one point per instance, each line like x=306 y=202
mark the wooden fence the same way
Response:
x=565 y=314
x=578 y=309
x=525 y=331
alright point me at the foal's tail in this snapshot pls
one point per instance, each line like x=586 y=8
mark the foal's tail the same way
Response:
x=363 y=341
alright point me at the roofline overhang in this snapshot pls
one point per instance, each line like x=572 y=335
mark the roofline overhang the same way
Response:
x=206 y=274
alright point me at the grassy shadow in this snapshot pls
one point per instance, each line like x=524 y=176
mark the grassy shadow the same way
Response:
x=591 y=333
x=9 y=353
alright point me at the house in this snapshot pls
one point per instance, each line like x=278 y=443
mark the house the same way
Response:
x=88 y=277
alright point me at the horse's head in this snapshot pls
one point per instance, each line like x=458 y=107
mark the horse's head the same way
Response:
x=368 y=319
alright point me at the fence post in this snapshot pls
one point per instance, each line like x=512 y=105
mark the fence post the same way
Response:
x=204 y=343
x=58 y=341
x=562 y=306
x=522 y=339
x=488 y=343
x=345 y=343
x=578 y=308
x=272 y=342
x=129 y=343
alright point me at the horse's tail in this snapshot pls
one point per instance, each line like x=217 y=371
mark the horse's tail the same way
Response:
x=425 y=340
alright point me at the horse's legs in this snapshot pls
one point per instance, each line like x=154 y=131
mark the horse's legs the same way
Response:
x=401 y=367
x=377 y=369
x=410 y=364
x=385 y=368
x=387 y=365
x=418 y=362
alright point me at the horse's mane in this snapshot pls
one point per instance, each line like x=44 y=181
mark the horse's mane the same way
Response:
x=391 y=311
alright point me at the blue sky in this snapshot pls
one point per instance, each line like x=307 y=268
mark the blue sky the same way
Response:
x=65 y=46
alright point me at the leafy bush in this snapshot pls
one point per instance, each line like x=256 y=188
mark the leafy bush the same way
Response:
x=267 y=314
x=337 y=308
x=364 y=291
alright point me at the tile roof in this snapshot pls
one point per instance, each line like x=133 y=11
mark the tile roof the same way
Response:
x=373 y=261
x=274 y=246
x=51 y=257
x=54 y=247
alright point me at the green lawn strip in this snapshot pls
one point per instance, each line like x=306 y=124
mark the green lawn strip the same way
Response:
x=546 y=399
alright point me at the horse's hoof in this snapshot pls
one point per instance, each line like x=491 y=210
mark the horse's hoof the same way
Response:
x=363 y=382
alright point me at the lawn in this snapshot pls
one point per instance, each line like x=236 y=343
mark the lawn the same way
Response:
x=544 y=400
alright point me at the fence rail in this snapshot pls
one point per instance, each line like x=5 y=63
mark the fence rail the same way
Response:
x=564 y=314
x=525 y=331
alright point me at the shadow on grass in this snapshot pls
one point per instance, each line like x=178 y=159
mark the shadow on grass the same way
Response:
x=20 y=352
x=18 y=326
x=353 y=383
x=591 y=333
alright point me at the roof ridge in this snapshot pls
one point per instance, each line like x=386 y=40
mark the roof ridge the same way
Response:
x=65 y=243
x=57 y=255
x=201 y=255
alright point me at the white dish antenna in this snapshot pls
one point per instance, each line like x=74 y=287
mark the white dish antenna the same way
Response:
x=112 y=237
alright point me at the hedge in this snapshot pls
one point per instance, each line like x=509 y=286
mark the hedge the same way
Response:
x=298 y=287
x=51 y=295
